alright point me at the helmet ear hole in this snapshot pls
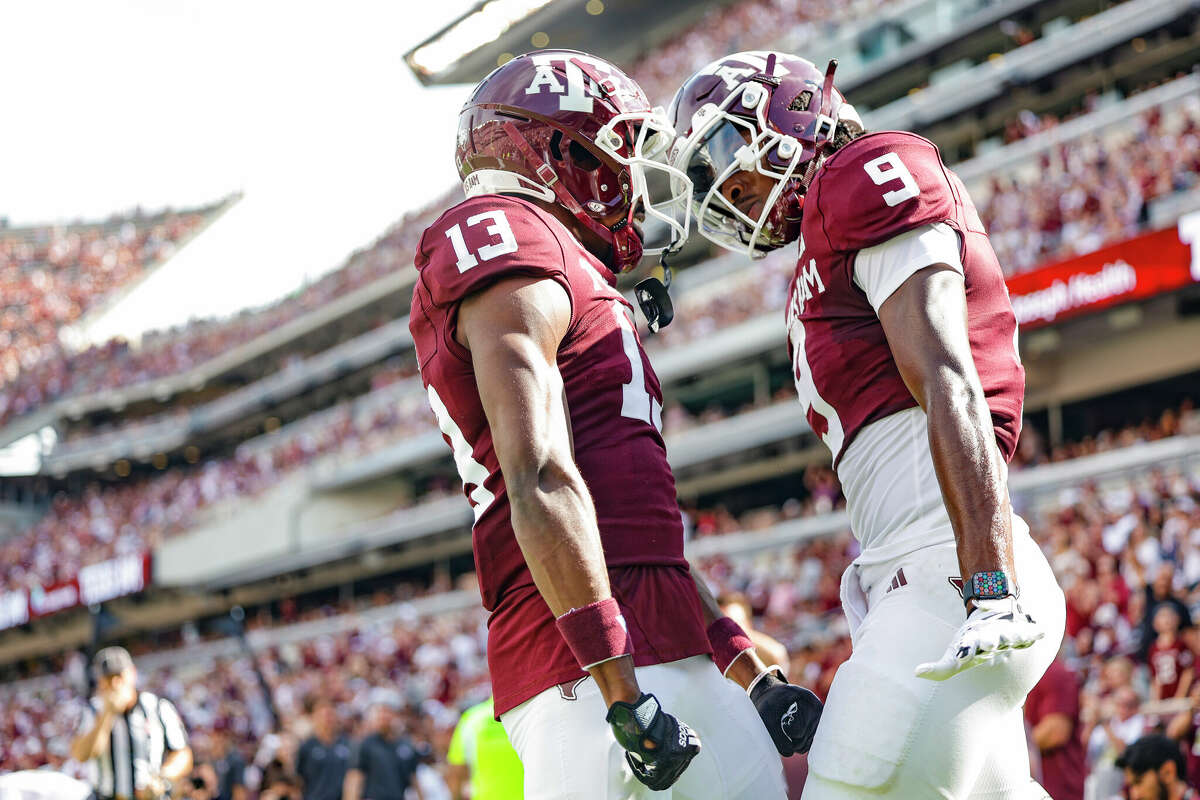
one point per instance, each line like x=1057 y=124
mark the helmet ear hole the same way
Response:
x=555 y=145
x=583 y=158
x=801 y=101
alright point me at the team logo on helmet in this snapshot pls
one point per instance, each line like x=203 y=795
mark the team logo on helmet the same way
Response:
x=561 y=73
x=570 y=128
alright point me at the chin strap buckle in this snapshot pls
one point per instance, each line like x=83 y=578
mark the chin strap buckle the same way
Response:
x=653 y=297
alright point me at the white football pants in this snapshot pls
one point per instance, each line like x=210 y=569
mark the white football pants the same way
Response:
x=886 y=733
x=569 y=752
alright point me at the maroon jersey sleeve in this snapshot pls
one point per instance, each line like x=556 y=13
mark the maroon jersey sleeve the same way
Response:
x=880 y=186
x=482 y=241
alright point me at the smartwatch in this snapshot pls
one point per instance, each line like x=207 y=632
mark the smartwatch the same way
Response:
x=993 y=585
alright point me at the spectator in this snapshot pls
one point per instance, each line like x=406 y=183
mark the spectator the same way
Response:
x=384 y=763
x=1172 y=663
x=1154 y=770
x=1161 y=590
x=1052 y=712
x=325 y=756
x=1185 y=729
x=228 y=766
x=1120 y=724
x=279 y=783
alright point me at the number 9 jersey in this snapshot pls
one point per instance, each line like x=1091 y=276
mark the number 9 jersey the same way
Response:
x=873 y=190
x=615 y=405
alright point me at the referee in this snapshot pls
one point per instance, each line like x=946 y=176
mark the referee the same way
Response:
x=135 y=740
x=480 y=755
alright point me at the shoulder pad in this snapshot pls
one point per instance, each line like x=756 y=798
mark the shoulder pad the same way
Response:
x=484 y=240
x=880 y=186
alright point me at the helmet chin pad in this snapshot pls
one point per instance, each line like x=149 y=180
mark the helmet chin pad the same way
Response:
x=627 y=247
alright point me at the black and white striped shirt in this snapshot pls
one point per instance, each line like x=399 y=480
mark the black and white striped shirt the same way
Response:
x=141 y=738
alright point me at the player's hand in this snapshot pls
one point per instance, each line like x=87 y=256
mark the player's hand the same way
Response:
x=657 y=746
x=994 y=628
x=790 y=712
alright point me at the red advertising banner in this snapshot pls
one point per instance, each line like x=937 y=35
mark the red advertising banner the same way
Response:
x=95 y=583
x=1134 y=269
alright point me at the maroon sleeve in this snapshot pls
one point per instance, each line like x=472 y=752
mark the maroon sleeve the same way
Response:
x=880 y=186
x=482 y=241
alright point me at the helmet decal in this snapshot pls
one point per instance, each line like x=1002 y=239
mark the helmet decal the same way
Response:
x=568 y=127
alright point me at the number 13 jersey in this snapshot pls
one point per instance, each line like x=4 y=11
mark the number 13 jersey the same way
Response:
x=615 y=406
x=878 y=210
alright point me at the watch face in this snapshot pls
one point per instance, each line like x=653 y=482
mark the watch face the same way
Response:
x=989 y=585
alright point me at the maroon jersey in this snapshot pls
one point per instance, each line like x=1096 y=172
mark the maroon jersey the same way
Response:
x=873 y=189
x=1064 y=768
x=615 y=405
x=1167 y=663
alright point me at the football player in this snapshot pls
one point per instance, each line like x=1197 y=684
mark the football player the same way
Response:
x=540 y=385
x=903 y=343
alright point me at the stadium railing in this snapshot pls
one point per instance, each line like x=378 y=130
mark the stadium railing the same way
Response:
x=1035 y=60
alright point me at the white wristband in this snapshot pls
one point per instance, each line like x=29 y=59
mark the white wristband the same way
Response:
x=769 y=670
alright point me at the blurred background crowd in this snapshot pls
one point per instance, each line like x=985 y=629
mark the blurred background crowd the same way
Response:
x=404 y=651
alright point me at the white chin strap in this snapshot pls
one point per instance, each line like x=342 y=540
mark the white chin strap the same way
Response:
x=499 y=181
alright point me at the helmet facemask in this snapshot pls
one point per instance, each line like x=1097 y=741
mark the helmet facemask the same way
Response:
x=723 y=144
x=639 y=141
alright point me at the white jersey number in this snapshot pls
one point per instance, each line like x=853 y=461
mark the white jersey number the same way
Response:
x=499 y=227
x=636 y=400
x=471 y=471
x=887 y=168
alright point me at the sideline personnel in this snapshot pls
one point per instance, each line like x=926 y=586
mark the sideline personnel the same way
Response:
x=135 y=740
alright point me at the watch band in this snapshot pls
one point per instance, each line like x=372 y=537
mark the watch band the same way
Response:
x=992 y=585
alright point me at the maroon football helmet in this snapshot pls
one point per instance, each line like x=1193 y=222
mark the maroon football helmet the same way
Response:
x=567 y=127
x=757 y=111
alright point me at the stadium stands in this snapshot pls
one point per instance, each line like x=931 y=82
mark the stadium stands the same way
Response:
x=1117 y=509
x=54 y=276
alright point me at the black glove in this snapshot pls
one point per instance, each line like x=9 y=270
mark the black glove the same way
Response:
x=675 y=744
x=790 y=712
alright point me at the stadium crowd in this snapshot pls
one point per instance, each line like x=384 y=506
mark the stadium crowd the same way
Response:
x=1126 y=550
x=52 y=276
x=1092 y=191
x=129 y=517
x=118 y=363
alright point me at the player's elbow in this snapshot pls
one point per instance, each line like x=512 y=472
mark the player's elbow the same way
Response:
x=532 y=484
x=952 y=394
x=541 y=495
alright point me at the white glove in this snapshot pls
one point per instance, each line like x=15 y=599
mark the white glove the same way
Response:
x=994 y=628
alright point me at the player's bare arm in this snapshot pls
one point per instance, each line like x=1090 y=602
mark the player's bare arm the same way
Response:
x=513 y=330
x=790 y=713
x=925 y=321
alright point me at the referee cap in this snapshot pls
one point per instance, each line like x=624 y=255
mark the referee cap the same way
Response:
x=112 y=661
